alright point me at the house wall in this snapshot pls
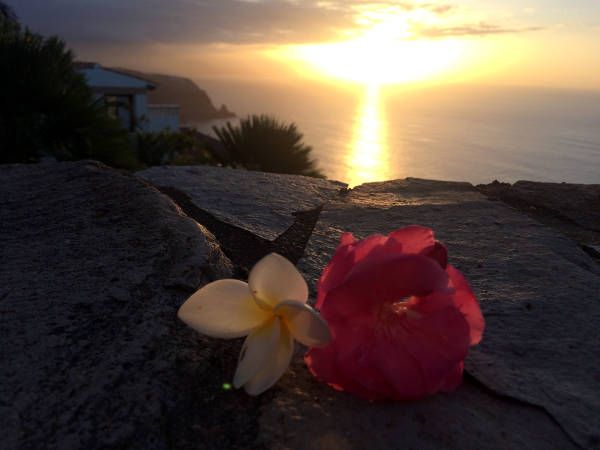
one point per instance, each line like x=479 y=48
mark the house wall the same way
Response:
x=110 y=83
x=162 y=117
x=151 y=118
x=140 y=108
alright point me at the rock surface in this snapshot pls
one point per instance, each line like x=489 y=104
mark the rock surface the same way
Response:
x=306 y=415
x=538 y=361
x=95 y=264
x=579 y=203
x=262 y=203
x=243 y=247
x=573 y=209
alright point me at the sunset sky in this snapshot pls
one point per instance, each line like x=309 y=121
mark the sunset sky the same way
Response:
x=510 y=42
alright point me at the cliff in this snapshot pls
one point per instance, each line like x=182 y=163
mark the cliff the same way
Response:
x=95 y=264
x=196 y=105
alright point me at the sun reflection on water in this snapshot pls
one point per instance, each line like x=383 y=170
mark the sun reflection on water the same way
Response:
x=367 y=158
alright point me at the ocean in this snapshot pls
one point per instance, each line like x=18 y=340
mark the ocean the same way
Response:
x=461 y=133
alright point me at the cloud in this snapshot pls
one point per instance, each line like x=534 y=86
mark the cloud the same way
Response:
x=479 y=29
x=184 y=21
x=122 y=22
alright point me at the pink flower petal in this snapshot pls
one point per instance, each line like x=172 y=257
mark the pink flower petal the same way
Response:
x=368 y=247
x=331 y=362
x=387 y=281
x=453 y=379
x=465 y=301
x=413 y=238
x=337 y=269
x=324 y=364
x=437 y=341
x=419 y=240
x=348 y=253
x=400 y=369
x=401 y=318
x=366 y=381
x=438 y=252
x=347 y=239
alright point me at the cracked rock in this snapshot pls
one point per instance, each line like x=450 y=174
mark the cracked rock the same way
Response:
x=262 y=203
x=95 y=264
x=539 y=358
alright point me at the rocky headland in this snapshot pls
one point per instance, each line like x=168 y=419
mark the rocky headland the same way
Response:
x=96 y=262
x=194 y=103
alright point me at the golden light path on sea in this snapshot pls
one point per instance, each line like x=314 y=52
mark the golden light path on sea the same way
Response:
x=368 y=154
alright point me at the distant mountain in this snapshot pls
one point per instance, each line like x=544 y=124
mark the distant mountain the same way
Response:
x=195 y=104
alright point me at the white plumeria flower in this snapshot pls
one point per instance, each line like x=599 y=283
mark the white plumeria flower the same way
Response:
x=270 y=309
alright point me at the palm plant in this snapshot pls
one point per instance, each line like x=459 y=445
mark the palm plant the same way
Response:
x=261 y=142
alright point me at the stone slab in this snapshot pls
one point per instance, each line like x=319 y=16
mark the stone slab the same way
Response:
x=260 y=202
x=572 y=209
x=540 y=294
x=579 y=203
x=95 y=264
x=307 y=415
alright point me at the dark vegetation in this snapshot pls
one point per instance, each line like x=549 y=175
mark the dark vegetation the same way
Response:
x=7 y=15
x=48 y=110
x=261 y=142
x=172 y=147
x=46 y=107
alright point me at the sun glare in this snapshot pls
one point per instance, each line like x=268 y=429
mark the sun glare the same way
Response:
x=385 y=51
x=367 y=158
x=377 y=62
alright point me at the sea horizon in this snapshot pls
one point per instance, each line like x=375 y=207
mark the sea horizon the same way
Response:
x=473 y=133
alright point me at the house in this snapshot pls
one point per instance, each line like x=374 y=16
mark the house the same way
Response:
x=126 y=97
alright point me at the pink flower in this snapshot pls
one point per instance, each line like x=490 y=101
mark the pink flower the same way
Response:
x=401 y=317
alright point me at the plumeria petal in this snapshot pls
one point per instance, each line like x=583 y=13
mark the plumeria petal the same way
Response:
x=258 y=349
x=223 y=309
x=276 y=365
x=305 y=324
x=274 y=279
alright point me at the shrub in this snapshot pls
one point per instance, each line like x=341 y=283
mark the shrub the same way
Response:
x=261 y=142
x=171 y=147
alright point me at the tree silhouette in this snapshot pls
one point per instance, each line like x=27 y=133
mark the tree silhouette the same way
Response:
x=7 y=14
x=261 y=142
x=46 y=106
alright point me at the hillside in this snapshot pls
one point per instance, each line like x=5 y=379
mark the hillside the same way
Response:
x=195 y=103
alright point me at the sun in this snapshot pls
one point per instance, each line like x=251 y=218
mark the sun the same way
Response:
x=386 y=52
x=380 y=62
